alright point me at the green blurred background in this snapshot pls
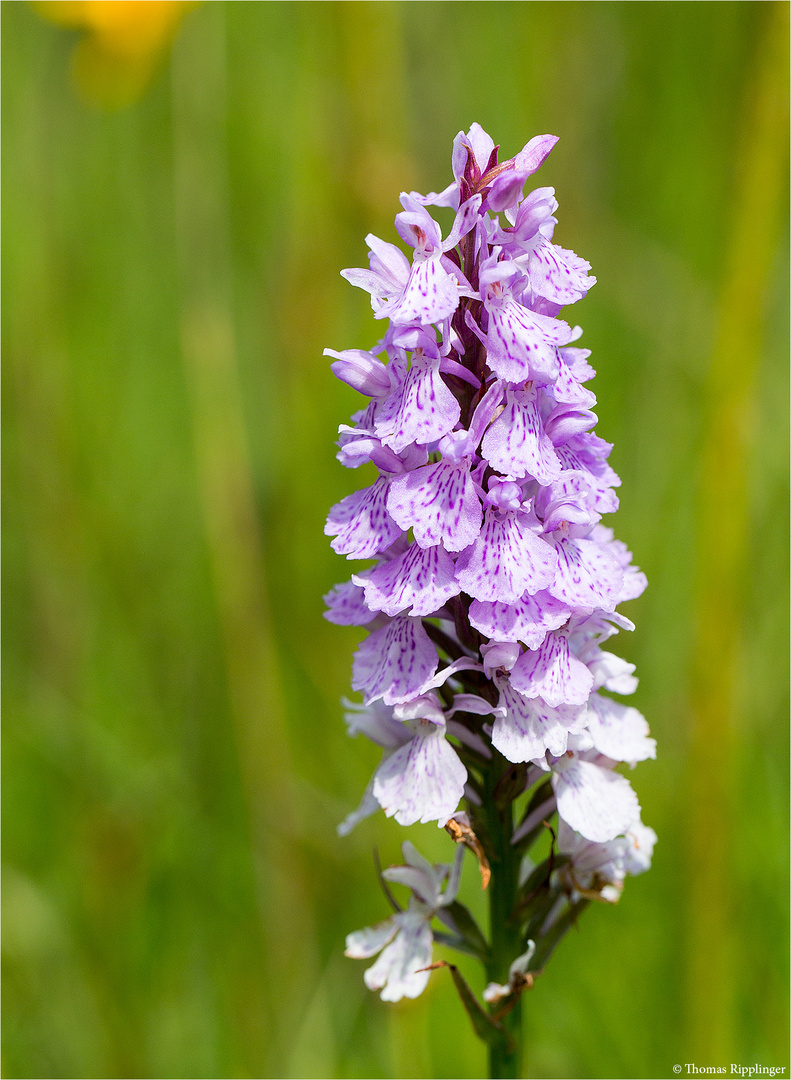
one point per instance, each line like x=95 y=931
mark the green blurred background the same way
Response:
x=175 y=896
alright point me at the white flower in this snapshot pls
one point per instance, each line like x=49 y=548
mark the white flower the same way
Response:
x=592 y=799
x=597 y=870
x=405 y=939
x=377 y=723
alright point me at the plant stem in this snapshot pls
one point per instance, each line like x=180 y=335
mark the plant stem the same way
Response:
x=506 y=942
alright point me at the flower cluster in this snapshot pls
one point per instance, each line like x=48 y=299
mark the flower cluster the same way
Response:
x=495 y=584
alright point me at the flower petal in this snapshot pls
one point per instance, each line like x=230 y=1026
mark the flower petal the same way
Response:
x=619 y=731
x=528 y=620
x=423 y=781
x=431 y=295
x=588 y=575
x=439 y=503
x=346 y=605
x=530 y=727
x=523 y=344
x=553 y=672
x=361 y=524
x=641 y=848
x=398 y=969
x=421 y=410
x=594 y=801
x=506 y=561
x=395 y=662
x=516 y=443
x=559 y=275
x=421 y=579
x=371 y=939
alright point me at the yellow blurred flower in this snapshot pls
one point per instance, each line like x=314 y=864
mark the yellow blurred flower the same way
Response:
x=123 y=42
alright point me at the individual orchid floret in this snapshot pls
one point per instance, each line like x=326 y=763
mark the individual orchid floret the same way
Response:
x=516 y=444
x=423 y=780
x=597 y=871
x=418 y=581
x=595 y=801
x=527 y=727
x=521 y=343
x=553 y=672
x=439 y=502
x=405 y=940
x=433 y=285
x=396 y=662
x=420 y=409
x=507 y=560
x=555 y=274
x=588 y=574
x=361 y=523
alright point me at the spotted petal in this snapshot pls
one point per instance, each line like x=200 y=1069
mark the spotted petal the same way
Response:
x=361 y=524
x=421 y=410
x=346 y=605
x=588 y=575
x=528 y=620
x=523 y=344
x=424 y=780
x=559 y=275
x=431 y=295
x=439 y=503
x=530 y=727
x=516 y=443
x=395 y=662
x=421 y=579
x=567 y=388
x=553 y=672
x=506 y=561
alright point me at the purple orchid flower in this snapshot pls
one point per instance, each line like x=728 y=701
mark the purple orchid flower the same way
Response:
x=494 y=583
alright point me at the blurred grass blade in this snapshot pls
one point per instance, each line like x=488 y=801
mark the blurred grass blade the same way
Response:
x=227 y=494
x=485 y=1027
x=722 y=542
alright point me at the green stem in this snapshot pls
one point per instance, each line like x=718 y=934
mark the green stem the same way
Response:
x=506 y=943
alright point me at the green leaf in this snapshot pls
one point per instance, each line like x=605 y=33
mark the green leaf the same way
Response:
x=459 y=919
x=554 y=937
x=535 y=887
x=455 y=941
x=538 y=913
x=486 y=1028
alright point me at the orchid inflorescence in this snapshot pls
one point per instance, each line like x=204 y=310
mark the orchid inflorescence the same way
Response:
x=495 y=586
